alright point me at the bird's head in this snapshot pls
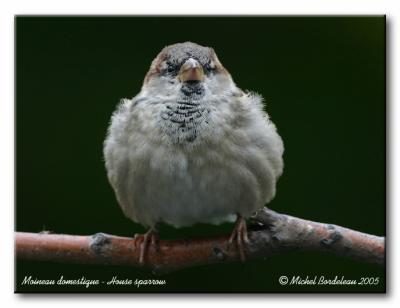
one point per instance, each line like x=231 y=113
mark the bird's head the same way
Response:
x=188 y=70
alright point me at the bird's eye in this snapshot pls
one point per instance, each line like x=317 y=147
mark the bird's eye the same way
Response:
x=209 y=67
x=170 y=69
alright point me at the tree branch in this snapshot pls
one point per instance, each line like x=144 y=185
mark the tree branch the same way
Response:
x=270 y=233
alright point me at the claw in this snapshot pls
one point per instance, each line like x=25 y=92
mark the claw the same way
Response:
x=142 y=241
x=240 y=234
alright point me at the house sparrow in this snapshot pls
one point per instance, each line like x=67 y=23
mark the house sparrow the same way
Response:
x=192 y=147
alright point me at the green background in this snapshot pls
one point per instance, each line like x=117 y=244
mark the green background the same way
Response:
x=323 y=80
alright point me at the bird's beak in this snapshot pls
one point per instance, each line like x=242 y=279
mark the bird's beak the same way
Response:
x=191 y=70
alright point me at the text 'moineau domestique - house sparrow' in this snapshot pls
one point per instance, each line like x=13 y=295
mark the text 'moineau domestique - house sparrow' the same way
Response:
x=192 y=147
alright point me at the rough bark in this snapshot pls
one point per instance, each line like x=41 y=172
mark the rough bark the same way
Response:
x=270 y=233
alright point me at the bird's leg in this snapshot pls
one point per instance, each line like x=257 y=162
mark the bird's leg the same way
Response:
x=240 y=235
x=144 y=240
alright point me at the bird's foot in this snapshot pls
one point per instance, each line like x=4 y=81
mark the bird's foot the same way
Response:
x=144 y=240
x=240 y=235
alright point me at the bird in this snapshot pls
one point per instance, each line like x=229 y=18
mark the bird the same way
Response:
x=191 y=147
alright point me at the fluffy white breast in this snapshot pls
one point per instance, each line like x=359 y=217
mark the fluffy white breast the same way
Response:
x=228 y=162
